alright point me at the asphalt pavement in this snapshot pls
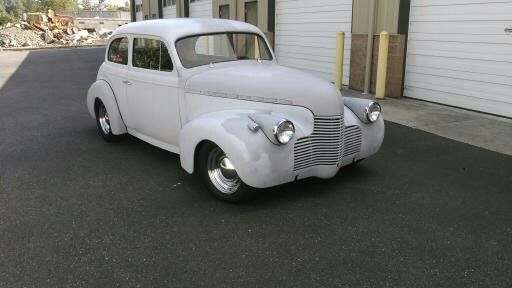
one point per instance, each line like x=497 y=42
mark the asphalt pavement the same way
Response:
x=76 y=211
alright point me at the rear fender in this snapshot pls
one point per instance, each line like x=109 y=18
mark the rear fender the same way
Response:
x=101 y=90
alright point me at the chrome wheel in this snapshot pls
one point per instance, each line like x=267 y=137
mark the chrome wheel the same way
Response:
x=221 y=172
x=103 y=119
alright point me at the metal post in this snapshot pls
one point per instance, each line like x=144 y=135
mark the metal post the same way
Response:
x=382 y=65
x=340 y=55
x=369 y=47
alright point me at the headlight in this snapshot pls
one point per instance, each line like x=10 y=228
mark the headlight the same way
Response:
x=284 y=131
x=373 y=112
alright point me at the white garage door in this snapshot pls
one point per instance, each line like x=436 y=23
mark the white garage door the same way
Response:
x=459 y=54
x=169 y=12
x=201 y=9
x=305 y=35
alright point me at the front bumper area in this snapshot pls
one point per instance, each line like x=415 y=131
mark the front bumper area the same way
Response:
x=336 y=141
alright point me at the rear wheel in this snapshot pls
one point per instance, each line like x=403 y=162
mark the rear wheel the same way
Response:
x=103 y=122
x=219 y=175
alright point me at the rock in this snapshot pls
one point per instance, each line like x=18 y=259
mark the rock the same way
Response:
x=14 y=43
x=70 y=31
x=8 y=25
x=81 y=35
x=27 y=44
x=75 y=30
x=17 y=25
x=48 y=37
x=102 y=32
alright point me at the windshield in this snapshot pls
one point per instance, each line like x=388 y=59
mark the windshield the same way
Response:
x=200 y=50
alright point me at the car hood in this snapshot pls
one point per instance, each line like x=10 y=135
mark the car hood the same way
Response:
x=267 y=82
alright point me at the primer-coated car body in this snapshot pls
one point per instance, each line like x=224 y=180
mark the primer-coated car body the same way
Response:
x=236 y=106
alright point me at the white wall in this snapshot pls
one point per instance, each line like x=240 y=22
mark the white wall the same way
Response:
x=458 y=54
x=201 y=9
x=305 y=35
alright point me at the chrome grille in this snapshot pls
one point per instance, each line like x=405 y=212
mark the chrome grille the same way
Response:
x=323 y=146
x=329 y=143
x=352 y=141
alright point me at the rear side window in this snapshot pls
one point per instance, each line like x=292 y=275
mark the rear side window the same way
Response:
x=118 y=51
x=151 y=54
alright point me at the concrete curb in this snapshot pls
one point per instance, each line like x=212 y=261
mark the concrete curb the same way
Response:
x=54 y=47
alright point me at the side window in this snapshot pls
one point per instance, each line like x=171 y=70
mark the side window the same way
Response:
x=118 y=51
x=151 y=54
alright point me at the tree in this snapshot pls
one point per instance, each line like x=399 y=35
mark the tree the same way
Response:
x=13 y=7
x=86 y=5
x=57 y=5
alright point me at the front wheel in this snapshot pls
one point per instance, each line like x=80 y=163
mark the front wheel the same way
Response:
x=219 y=175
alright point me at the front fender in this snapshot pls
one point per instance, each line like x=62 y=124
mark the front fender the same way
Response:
x=102 y=90
x=258 y=162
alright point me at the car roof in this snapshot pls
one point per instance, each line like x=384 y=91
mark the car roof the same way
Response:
x=173 y=29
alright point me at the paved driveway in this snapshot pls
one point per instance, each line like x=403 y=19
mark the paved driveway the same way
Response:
x=78 y=212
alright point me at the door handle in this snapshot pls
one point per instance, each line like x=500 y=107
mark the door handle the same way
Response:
x=508 y=29
x=127 y=82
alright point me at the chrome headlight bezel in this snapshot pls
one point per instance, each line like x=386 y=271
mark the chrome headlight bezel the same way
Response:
x=284 y=131
x=373 y=111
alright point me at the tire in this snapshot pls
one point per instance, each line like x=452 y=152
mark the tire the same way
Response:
x=103 y=123
x=219 y=176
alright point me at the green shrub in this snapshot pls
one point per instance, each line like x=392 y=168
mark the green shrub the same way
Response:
x=5 y=18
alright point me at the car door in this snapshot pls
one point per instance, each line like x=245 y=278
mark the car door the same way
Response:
x=114 y=71
x=152 y=91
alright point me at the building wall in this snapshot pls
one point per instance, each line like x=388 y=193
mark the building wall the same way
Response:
x=459 y=54
x=386 y=16
x=150 y=9
x=305 y=35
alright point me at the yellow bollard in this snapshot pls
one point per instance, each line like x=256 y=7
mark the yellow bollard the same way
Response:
x=340 y=55
x=382 y=65
x=256 y=48
x=207 y=45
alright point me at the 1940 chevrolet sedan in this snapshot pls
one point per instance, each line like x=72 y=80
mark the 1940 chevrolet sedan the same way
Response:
x=212 y=91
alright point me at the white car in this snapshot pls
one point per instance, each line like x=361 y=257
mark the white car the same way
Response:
x=212 y=91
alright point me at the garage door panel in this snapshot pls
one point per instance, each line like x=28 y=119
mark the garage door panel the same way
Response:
x=169 y=12
x=333 y=14
x=475 y=89
x=496 y=52
x=482 y=78
x=467 y=12
x=460 y=38
x=201 y=9
x=320 y=54
x=305 y=35
x=454 y=64
x=451 y=99
x=319 y=5
x=467 y=28
x=459 y=54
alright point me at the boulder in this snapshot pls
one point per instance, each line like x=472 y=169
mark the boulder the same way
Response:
x=48 y=37
x=27 y=44
x=102 y=32
x=81 y=35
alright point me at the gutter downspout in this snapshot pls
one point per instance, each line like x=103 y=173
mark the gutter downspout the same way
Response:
x=132 y=10
x=160 y=9
x=369 y=47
